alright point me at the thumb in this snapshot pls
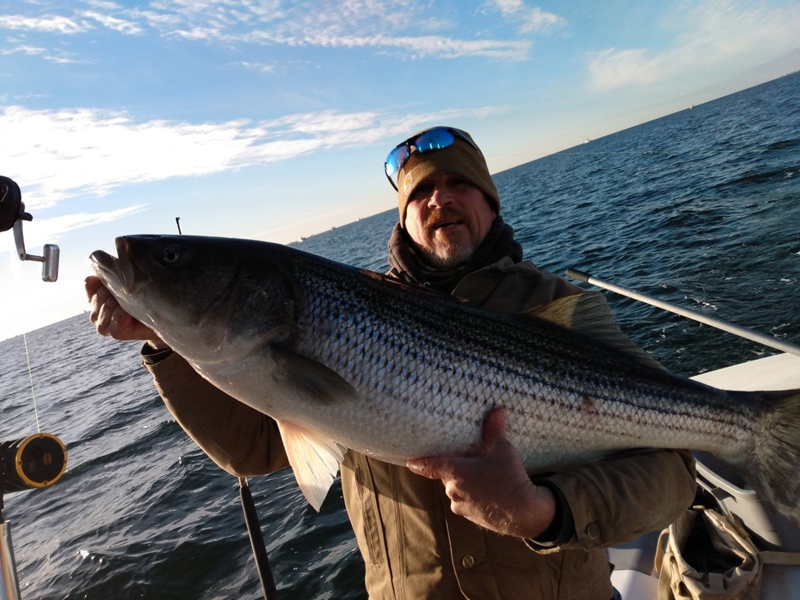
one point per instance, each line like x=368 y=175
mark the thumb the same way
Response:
x=494 y=426
x=431 y=467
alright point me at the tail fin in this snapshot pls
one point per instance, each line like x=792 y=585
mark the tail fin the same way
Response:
x=773 y=465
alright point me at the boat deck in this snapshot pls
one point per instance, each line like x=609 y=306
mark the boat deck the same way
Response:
x=778 y=372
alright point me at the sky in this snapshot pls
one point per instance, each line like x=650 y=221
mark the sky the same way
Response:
x=271 y=119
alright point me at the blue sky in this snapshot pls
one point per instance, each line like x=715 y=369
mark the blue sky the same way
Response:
x=271 y=119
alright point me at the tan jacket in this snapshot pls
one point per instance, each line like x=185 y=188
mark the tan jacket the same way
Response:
x=414 y=547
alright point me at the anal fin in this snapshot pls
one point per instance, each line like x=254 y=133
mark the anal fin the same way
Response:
x=314 y=458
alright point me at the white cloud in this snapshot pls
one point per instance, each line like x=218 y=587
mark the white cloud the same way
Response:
x=64 y=153
x=612 y=68
x=406 y=28
x=113 y=23
x=433 y=46
x=532 y=19
x=711 y=36
x=102 y=4
x=63 y=58
x=48 y=24
x=260 y=67
x=70 y=25
x=509 y=7
x=536 y=20
x=49 y=231
x=407 y=46
x=24 y=49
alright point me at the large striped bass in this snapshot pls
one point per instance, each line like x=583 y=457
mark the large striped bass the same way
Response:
x=346 y=358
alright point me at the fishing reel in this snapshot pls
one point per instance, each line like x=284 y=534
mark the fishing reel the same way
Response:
x=36 y=461
x=12 y=214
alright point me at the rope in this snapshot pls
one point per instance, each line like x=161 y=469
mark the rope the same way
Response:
x=30 y=376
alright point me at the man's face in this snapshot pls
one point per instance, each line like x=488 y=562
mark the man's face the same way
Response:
x=447 y=218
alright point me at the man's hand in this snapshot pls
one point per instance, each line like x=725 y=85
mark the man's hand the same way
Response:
x=492 y=488
x=110 y=319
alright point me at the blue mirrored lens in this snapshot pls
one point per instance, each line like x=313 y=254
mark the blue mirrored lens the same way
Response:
x=435 y=139
x=396 y=159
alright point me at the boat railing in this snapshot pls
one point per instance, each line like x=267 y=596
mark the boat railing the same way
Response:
x=732 y=328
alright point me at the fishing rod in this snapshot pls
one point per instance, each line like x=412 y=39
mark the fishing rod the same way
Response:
x=737 y=330
x=39 y=460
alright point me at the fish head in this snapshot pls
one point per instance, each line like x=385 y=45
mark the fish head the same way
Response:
x=210 y=299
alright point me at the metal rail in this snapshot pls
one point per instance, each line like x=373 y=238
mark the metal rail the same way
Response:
x=738 y=330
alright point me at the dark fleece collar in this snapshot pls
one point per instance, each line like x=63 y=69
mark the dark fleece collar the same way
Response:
x=408 y=265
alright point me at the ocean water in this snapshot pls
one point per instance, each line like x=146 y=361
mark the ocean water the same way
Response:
x=700 y=208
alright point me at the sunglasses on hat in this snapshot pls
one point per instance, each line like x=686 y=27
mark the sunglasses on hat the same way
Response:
x=427 y=141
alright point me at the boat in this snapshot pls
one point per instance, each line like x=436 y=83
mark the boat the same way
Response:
x=777 y=541
x=773 y=541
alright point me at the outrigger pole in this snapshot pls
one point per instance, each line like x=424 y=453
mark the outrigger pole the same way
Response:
x=743 y=332
x=257 y=541
x=253 y=527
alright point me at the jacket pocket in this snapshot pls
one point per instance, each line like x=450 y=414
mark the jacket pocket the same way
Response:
x=369 y=513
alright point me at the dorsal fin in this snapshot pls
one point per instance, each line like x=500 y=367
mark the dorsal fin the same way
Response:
x=588 y=313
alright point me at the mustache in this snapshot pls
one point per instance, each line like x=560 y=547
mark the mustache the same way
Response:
x=443 y=215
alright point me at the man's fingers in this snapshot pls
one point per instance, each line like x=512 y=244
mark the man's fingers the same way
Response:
x=105 y=316
x=494 y=426
x=99 y=297
x=102 y=300
x=432 y=468
x=446 y=468
x=90 y=285
x=109 y=318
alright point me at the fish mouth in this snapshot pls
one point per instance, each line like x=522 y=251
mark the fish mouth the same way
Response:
x=123 y=273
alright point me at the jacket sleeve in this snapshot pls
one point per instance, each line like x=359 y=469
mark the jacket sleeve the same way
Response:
x=240 y=439
x=619 y=499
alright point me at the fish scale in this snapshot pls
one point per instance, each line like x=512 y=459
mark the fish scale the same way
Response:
x=347 y=359
x=399 y=321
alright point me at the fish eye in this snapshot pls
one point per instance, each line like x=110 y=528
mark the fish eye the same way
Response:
x=171 y=255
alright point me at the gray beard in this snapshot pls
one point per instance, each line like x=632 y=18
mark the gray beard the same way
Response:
x=448 y=256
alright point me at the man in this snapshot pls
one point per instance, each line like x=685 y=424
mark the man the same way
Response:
x=476 y=527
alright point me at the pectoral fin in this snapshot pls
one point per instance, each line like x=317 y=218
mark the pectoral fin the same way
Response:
x=315 y=460
x=312 y=380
